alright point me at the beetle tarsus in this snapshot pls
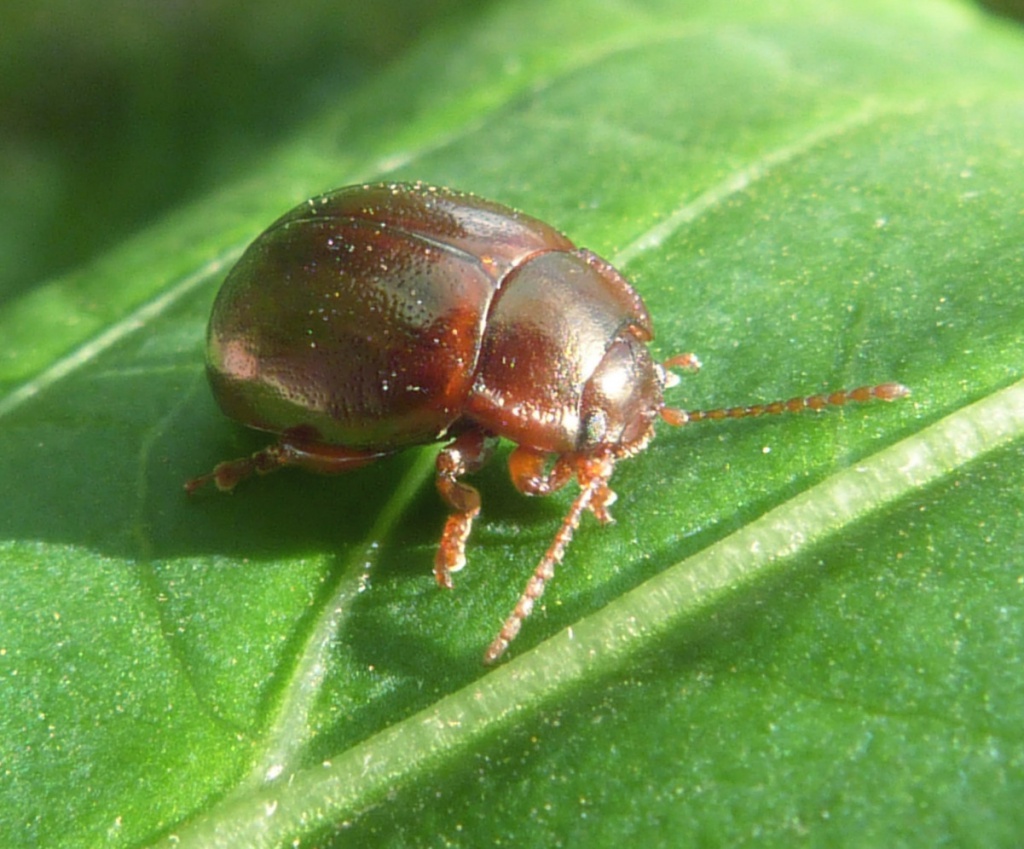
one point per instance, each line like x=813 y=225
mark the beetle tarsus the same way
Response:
x=197 y=483
x=451 y=552
x=312 y=456
x=226 y=476
x=467 y=453
x=604 y=498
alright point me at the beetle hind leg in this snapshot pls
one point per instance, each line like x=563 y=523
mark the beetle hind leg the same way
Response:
x=467 y=453
x=287 y=451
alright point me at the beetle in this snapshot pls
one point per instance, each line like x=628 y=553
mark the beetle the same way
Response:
x=378 y=317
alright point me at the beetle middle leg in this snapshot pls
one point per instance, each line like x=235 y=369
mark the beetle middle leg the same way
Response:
x=467 y=453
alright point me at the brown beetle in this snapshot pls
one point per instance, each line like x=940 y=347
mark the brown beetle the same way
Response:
x=378 y=317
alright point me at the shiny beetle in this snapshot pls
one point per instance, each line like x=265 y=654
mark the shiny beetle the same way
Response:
x=378 y=317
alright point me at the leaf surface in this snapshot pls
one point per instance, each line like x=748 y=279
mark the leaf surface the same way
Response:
x=801 y=629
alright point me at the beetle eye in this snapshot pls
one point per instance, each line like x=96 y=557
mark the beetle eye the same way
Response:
x=595 y=426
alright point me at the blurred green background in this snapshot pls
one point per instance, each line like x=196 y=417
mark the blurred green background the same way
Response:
x=112 y=111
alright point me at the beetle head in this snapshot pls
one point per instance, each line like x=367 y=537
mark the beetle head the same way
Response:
x=622 y=398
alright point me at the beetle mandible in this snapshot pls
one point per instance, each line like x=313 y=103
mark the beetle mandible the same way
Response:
x=378 y=317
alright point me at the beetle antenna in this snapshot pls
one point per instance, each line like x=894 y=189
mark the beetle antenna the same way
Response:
x=593 y=474
x=880 y=392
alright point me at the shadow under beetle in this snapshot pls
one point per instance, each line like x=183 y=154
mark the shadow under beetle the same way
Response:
x=378 y=317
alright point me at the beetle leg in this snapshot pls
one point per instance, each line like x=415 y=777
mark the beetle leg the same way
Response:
x=468 y=453
x=312 y=456
x=593 y=472
x=528 y=469
x=527 y=466
x=603 y=498
x=685 y=362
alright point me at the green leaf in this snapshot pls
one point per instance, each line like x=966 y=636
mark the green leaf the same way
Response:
x=802 y=630
x=106 y=127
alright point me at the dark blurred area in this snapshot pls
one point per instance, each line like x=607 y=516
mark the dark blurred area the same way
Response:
x=112 y=111
x=1009 y=8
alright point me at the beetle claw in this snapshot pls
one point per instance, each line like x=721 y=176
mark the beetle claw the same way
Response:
x=190 y=486
x=451 y=552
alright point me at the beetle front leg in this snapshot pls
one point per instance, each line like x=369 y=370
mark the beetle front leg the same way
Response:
x=604 y=497
x=528 y=470
x=468 y=453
